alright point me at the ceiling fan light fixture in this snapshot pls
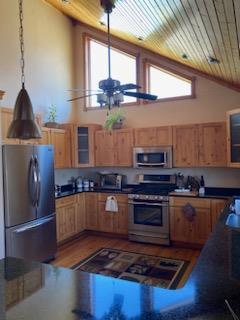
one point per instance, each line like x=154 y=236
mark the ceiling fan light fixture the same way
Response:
x=212 y=60
x=23 y=125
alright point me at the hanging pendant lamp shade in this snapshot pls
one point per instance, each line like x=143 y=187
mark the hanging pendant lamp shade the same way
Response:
x=23 y=125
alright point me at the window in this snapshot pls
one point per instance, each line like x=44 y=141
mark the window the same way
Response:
x=123 y=68
x=168 y=84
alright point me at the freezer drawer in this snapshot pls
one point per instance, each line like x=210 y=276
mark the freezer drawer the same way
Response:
x=33 y=241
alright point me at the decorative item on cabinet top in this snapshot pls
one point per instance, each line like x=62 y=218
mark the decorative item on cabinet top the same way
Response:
x=1 y=94
x=52 y=116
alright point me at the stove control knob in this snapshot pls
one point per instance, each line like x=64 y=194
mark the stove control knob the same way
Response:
x=136 y=196
x=146 y=197
x=156 y=197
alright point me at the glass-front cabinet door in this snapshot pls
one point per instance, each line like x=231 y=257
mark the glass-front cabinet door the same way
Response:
x=233 y=138
x=84 y=146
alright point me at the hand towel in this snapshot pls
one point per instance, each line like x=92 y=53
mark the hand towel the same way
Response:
x=111 y=204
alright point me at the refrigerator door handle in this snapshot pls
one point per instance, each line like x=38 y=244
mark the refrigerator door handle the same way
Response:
x=38 y=193
x=32 y=181
x=35 y=225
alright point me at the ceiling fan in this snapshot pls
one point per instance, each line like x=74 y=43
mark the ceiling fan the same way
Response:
x=111 y=92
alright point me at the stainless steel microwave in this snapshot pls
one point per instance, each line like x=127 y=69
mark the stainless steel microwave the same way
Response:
x=158 y=157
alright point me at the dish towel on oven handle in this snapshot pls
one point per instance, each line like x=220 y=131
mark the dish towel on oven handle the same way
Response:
x=111 y=204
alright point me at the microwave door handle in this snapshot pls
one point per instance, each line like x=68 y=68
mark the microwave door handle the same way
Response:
x=165 y=157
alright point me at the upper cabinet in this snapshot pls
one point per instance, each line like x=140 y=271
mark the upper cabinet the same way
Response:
x=233 y=138
x=185 y=146
x=6 y=119
x=153 y=137
x=212 y=145
x=60 y=139
x=114 y=148
x=82 y=144
x=200 y=145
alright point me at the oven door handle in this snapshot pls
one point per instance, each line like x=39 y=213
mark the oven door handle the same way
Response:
x=148 y=203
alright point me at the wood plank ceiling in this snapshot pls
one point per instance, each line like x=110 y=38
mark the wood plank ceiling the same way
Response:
x=197 y=28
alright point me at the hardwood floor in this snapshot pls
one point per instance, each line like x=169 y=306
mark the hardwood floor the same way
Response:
x=73 y=252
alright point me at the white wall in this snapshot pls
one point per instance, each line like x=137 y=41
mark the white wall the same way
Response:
x=48 y=37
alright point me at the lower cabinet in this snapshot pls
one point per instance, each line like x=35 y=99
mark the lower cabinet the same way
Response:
x=217 y=206
x=98 y=219
x=187 y=227
x=91 y=207
x=70 y=215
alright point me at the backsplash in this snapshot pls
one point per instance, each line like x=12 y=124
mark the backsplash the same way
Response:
x=214 y=177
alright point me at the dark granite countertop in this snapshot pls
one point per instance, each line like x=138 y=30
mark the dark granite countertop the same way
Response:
x=36 y=291
x=210 y=192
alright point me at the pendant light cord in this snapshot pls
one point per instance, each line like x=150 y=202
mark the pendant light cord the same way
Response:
x=109 y=45
x=22 y=62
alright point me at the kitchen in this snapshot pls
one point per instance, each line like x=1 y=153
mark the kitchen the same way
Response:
x=210 y=106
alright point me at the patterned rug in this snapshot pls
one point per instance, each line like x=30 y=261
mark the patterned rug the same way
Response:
x=146 y=269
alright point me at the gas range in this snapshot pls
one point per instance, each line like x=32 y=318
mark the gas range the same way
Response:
x=152 y=192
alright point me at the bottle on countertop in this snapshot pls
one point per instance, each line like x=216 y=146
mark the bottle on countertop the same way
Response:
x=202 y=186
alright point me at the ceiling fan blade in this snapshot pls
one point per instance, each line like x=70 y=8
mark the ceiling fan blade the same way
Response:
x=85 y=96
x=140 y=95
x=127 y=86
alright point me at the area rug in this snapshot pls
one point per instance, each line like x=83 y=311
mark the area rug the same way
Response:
x=142 y=268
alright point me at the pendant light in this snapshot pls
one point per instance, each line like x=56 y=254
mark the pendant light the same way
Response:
x=23 y=125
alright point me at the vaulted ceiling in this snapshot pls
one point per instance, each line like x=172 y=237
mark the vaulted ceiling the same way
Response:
x=198 y=29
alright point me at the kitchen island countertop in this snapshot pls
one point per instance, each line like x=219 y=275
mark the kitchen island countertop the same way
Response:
x=40 y=291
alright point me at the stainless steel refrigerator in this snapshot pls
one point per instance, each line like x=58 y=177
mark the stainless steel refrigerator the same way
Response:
x=29 y=202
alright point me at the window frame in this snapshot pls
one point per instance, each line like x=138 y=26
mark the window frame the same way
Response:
x=147 y=63
x=86 y=70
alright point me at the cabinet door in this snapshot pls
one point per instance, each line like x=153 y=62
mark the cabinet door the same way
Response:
x=46 y=136
x=233 y=138
x=105 y=151
x=91 y=207
x=212 y=145
x=105 y=218
x=185 y=146
x=61 y=141
x=179 y=225
x=200 y=228
x=217 y=205
x=145 y=137
x=164 y=136
x=81 y=213
x=120 y=219
x=66 y=222
x=123 y=141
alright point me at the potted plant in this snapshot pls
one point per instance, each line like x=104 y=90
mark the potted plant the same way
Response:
x=114 y=120
x=52 y=115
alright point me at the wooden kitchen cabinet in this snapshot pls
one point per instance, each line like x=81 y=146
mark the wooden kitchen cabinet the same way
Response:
x=217 y=206
x=81 y=213
x=115 y=222
x=153 y=137
x=60 y=139
x=193 y=232
x=212 y=145
x=104 y=149
x=6 y=119
x=114 y=148
x=82 y=144
x=66 y=216
x=91 y=210
x=123 y=142
x=233 y=138
x=185 y=146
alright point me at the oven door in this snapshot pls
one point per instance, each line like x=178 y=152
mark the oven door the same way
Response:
x=148 y=217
